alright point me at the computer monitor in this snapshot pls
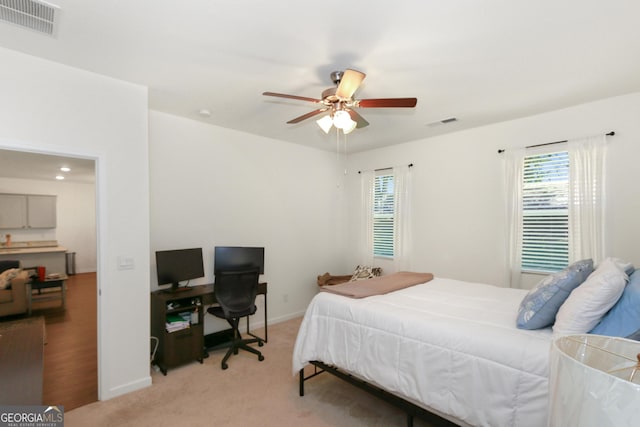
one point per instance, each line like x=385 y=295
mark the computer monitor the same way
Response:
x=238 y=258
x=175 y=266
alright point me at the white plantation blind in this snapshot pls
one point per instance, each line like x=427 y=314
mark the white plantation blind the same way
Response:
x=545 y=214
x=383 y=215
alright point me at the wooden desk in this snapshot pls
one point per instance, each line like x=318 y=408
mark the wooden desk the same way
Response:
x=48 y=283
x=186 y=345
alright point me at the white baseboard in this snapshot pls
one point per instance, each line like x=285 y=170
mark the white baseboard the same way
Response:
x=125 y=388
x=255 y=323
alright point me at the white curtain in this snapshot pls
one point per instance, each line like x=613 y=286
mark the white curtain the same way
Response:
x=513 y=173
x=365 y=241
x=587 y=158
x=402 y=223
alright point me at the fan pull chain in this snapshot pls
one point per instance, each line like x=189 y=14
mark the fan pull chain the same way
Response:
x=337 y=156
x=344 y=144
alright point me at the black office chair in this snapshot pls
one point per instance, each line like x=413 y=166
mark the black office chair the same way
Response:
x=236 y=291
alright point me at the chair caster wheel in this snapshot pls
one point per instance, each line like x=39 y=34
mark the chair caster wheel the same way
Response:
x=225 y=366
x=260 y=343
x=261 y=358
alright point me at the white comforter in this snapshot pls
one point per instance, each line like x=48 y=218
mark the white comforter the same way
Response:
x=447 y=345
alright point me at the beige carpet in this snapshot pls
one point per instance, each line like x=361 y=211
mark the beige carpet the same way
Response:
x=248 y=393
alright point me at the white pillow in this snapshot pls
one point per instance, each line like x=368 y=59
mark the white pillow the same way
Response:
x=590 y=301
x=7 y=276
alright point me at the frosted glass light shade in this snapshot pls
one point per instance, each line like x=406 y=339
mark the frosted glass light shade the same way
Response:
x=325 y=123
x=342 y=120
x=350 y=128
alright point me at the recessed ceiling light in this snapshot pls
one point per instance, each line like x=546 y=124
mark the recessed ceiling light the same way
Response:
x=59 y=177
x=65 y=169
x=204 y=113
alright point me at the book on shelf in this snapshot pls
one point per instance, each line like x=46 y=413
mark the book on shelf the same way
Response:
x=177 y=322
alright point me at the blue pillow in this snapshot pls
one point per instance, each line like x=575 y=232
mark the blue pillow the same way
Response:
x=539 y=308
x=623 y=319
x=635 y=335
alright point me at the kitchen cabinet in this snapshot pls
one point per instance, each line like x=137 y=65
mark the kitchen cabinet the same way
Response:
x=20 y=211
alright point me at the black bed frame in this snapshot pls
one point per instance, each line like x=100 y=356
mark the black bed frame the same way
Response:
x=411 y=409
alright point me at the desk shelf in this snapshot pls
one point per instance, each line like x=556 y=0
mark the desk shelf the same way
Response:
x=180 y=346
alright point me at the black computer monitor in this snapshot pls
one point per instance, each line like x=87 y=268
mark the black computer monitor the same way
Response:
x=238 y=258
x=175 y=266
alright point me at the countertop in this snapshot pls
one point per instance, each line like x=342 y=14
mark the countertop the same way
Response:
x=11 y=251
x=31 y=248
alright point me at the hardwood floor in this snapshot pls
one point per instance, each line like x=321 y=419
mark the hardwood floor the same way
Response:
x=71 y=351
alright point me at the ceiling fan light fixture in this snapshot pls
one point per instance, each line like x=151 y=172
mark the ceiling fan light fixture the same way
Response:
x=325 y=123
x=340 y=104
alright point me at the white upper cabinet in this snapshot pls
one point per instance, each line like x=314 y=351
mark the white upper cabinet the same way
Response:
x=13 y=211
x=41 y=211
x=27 y=211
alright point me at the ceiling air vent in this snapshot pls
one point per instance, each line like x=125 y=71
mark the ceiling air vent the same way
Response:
x=443 y=121
x=36 y=15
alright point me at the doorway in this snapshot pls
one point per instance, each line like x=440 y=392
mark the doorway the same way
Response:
x=75 y=190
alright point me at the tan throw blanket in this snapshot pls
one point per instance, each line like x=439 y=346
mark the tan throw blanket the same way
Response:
x=378 y=285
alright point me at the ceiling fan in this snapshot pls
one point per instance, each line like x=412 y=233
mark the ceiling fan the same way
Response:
x=340 y=104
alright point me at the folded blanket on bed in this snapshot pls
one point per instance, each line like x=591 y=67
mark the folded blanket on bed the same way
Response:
x=378 y=285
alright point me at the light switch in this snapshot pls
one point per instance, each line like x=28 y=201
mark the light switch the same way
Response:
x=126 y=263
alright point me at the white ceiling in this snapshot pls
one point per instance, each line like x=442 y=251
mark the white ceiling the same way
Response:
x=26 y=165
x=480 y=61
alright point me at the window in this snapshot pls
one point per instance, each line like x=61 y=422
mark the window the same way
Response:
x=545 y=212
x=383 y=214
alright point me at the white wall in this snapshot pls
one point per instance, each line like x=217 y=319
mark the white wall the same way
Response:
x=212 y=186
x=459 y=216
x=76 y=217
x=50 y=108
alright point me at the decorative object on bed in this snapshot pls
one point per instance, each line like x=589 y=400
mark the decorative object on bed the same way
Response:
x=539 y=308
x=361 y=272
x=588 y=303
x=366 y=272
x=623 y=320
x=595 y=382
x=329 y=280
x=379 y=285
x=449 y=347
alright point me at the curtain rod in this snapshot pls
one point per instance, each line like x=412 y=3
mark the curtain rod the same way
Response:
x=390 y=167
x=551 y=143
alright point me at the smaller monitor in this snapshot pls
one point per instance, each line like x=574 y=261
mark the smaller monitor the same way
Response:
x=238 y=258
x=175 y=266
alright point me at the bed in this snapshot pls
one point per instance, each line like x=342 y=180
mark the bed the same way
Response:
x=446 y=346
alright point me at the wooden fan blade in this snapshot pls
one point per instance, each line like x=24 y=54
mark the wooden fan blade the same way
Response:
x=283 y=95
x=308 y=115
x=361 y=122
x=349 y=83
x=388 y=102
